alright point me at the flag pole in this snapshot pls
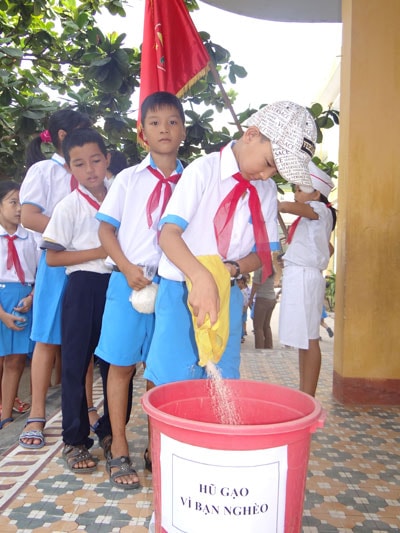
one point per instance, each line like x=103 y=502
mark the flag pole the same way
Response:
x=225 y=97
x=228 y=104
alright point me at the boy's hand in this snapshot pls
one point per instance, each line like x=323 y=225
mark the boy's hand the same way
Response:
x=134 y=276
x=204 y=297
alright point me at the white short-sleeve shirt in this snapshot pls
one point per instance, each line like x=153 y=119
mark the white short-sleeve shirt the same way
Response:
x=73 y=225
x=195 y=201
x=310 y=243
x=28 y=254
x=125 y=208
x=45 y=184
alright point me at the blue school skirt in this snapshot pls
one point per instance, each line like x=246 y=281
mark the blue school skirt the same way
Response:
x=13 y=342
x=173 y=354
x=49 y=291
x=125 y=334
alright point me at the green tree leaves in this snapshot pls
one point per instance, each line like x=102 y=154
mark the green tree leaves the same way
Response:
x=53 y=54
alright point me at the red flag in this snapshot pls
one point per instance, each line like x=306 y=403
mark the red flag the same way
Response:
x=173 y=54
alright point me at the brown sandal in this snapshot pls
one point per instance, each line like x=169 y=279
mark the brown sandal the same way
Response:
x=73 y=455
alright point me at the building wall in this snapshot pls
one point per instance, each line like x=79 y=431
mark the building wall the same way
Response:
x=367 y=329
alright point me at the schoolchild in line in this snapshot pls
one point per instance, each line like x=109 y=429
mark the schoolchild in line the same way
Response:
x=220 y=207
x=128 y=231
x=19 y=258
x=46 y=183
x=71 y=240
x=303 y=284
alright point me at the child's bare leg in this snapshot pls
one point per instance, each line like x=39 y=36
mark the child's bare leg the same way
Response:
x=309 y=367
x=14 y=365
x=57 y=369
x=41 y=369
x=117 y=393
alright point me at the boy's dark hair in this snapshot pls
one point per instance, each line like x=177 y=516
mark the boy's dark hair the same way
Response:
x=79 y=137
x=118 y=162
x=64 y=119
x=161 y=99
x=6 y=187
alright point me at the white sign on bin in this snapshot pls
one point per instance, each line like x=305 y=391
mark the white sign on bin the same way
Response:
x=209 y=491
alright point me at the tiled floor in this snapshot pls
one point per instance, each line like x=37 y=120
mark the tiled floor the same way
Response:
x=353 y=482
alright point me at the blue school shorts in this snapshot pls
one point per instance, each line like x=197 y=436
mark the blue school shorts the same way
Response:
x=47 y=302
x=173 y=354
x=125 y=334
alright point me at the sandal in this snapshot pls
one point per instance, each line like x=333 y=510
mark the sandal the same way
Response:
x=73 y=455
x=94 y=426
x=33 y=434
x=147 y=462
x=20 y=406
x=125 y=468
x=6 y=421
x=105 y=444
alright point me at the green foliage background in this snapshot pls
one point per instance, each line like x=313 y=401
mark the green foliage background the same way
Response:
x=53 y=54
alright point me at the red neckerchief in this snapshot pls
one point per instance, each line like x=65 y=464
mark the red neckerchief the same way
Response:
x=13 y=258
x=292 y=229
x=92 y=202
x=154 y=198
x=223 y=222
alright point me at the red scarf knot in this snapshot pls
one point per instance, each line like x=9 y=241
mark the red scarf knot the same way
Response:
x=223 y=222
x=154 y=198
x=13 y=258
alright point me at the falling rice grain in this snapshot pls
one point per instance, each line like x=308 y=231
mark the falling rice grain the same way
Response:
x=222 y=399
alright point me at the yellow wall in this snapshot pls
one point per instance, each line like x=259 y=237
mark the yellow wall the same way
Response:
x=367 y=315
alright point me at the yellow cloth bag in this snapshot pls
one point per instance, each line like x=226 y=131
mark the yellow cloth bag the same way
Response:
x=211 y=340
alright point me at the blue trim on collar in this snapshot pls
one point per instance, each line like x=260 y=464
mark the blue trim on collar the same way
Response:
x=178 y=168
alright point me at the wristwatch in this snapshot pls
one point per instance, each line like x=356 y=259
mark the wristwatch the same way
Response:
x=236 y=265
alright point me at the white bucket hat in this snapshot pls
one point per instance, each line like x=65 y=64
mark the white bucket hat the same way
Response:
x=293 y=133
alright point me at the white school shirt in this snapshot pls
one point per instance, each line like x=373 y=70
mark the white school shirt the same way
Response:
x=125 y=208
x=310 y=243
x=74 y=226
x=196 y=198
x=45 y=184
x=28 y=254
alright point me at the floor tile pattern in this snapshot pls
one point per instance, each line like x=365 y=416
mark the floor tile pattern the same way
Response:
x=353 y=481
